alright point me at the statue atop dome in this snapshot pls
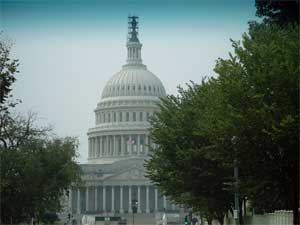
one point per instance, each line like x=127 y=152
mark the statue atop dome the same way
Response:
x=133 y=44
x=133 y=28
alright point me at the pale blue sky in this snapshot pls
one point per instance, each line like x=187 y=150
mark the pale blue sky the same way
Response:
x=68 y=49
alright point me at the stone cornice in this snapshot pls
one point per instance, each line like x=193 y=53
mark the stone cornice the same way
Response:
x=119 y=128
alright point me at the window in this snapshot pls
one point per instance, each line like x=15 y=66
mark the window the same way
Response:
x=120 y=116
x=115 y=117
x=108 y=117
x=141 y=116
x=134 y=116
x=133 y=87
x=127 y=116
x=147 y=116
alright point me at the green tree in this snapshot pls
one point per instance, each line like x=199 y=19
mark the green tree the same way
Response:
x=8 y=70
x=281 y=12
x=255 y=98
x=185 y=166
x=36 y=166
x=260 y=89
x=37 y=169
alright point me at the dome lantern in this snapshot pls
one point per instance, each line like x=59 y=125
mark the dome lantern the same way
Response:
x=133 y=44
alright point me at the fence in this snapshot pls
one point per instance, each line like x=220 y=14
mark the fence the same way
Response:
x=279 y=217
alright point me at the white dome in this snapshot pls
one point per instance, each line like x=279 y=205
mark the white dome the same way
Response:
x=134 y=81
x=122 y=116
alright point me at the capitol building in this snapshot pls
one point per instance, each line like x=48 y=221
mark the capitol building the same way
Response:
x=119 y=144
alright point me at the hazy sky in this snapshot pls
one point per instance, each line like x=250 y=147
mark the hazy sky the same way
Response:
x=68 y=49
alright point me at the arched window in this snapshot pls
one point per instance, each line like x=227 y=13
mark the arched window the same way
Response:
x=134 y=116
x=120 y=116
x=141 y=116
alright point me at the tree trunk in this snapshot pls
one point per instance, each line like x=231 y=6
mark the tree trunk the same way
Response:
x=241 y=219
x=209 y=221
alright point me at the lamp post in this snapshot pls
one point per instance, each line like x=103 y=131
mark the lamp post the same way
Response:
x=134 y=204
x=234 y=140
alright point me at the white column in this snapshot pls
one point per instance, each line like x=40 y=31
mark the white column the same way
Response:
x=111 y=145
x=121 y=200
x=155 y=199
x=100 y=147
x=115 y=146
x=78 y=201
x=139 y=199
x=122 y=145
x=104 y=199
x=93 y=148
x=103 y=145
x=87 y=199
x=96 y=147
x=138 y=143
x=130 y=145
x=106 y=145
x=96 y=198
x=147 y=199
x=112 y=199
x=165 y=202
x=129 y=197
x=89 y=147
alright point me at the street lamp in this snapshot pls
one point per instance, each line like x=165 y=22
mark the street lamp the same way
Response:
x=234 y=141
x=134 y=206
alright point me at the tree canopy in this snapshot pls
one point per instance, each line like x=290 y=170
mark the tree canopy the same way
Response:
x=281 y=12
x=37 y=167
x=254 y=98
x=8 y=69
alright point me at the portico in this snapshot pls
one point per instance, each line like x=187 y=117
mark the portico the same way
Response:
x=114 y=197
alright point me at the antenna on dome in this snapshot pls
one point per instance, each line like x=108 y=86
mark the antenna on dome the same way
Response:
x=133 y=28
